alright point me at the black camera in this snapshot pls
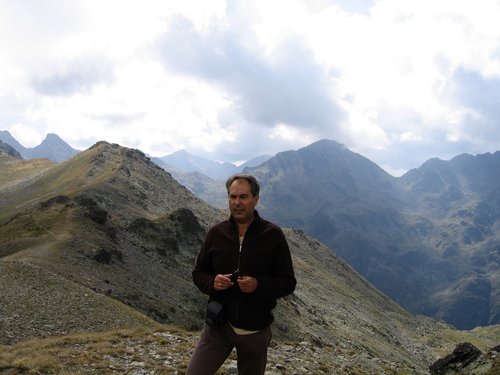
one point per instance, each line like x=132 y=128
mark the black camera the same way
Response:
x=235 y=275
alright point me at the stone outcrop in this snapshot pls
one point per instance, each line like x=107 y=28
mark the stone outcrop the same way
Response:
x=467 y=359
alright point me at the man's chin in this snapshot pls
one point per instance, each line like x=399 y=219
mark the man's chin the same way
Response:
x=241 y=218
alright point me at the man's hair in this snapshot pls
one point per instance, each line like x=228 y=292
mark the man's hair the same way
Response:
x=254 y=184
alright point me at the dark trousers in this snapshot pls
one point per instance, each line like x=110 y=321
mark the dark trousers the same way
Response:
x=216 y=344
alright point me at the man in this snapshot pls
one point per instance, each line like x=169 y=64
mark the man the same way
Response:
x=244 y=264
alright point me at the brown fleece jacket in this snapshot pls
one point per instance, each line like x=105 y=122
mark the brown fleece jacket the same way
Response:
x=264 y=255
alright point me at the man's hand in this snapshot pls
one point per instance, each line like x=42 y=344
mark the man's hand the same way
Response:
x=247 y=284
x=222 y=282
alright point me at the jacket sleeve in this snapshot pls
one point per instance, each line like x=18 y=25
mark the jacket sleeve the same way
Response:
x=283 y=281
x=203 y=275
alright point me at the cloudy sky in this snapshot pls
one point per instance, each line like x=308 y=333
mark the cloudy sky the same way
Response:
x=398 y=81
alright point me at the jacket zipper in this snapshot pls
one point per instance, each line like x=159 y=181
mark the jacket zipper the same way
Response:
x=238 y=269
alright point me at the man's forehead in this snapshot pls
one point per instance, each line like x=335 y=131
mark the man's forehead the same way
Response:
x=240 y=186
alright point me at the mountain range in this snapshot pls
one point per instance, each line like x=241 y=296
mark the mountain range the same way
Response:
x=109 y=233
x=428 y=239
x=52 y=147
x=187 y=163
x=107 y=239
x=202 y=176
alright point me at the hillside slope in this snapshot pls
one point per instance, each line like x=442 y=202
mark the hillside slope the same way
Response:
x=108 y=219
x=38 y=303
x=460 y=218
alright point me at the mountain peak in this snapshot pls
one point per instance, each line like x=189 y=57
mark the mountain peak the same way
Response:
x=53 y=137
x=53 y=148
x=327 y=143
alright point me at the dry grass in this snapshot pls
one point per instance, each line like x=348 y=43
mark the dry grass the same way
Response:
x=116 y=351
x=167 y=350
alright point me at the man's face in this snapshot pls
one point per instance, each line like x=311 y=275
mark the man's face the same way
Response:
x=241 y=201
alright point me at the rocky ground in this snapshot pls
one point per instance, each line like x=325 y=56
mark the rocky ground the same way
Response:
x=167 y=351
x=50 y=325
x=38 y=304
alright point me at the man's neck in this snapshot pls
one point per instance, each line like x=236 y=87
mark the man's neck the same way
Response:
x=242 y=227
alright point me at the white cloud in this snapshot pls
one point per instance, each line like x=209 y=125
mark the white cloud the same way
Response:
x=289 y=135
x=235 y=79
x=410 y=137
x=26 y=134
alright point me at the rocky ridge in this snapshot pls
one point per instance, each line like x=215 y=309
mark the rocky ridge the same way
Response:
x=7 y=150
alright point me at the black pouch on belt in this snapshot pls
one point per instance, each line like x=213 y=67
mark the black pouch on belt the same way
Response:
x=215 y=316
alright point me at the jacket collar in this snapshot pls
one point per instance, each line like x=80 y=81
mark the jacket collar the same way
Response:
x=256 y=220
